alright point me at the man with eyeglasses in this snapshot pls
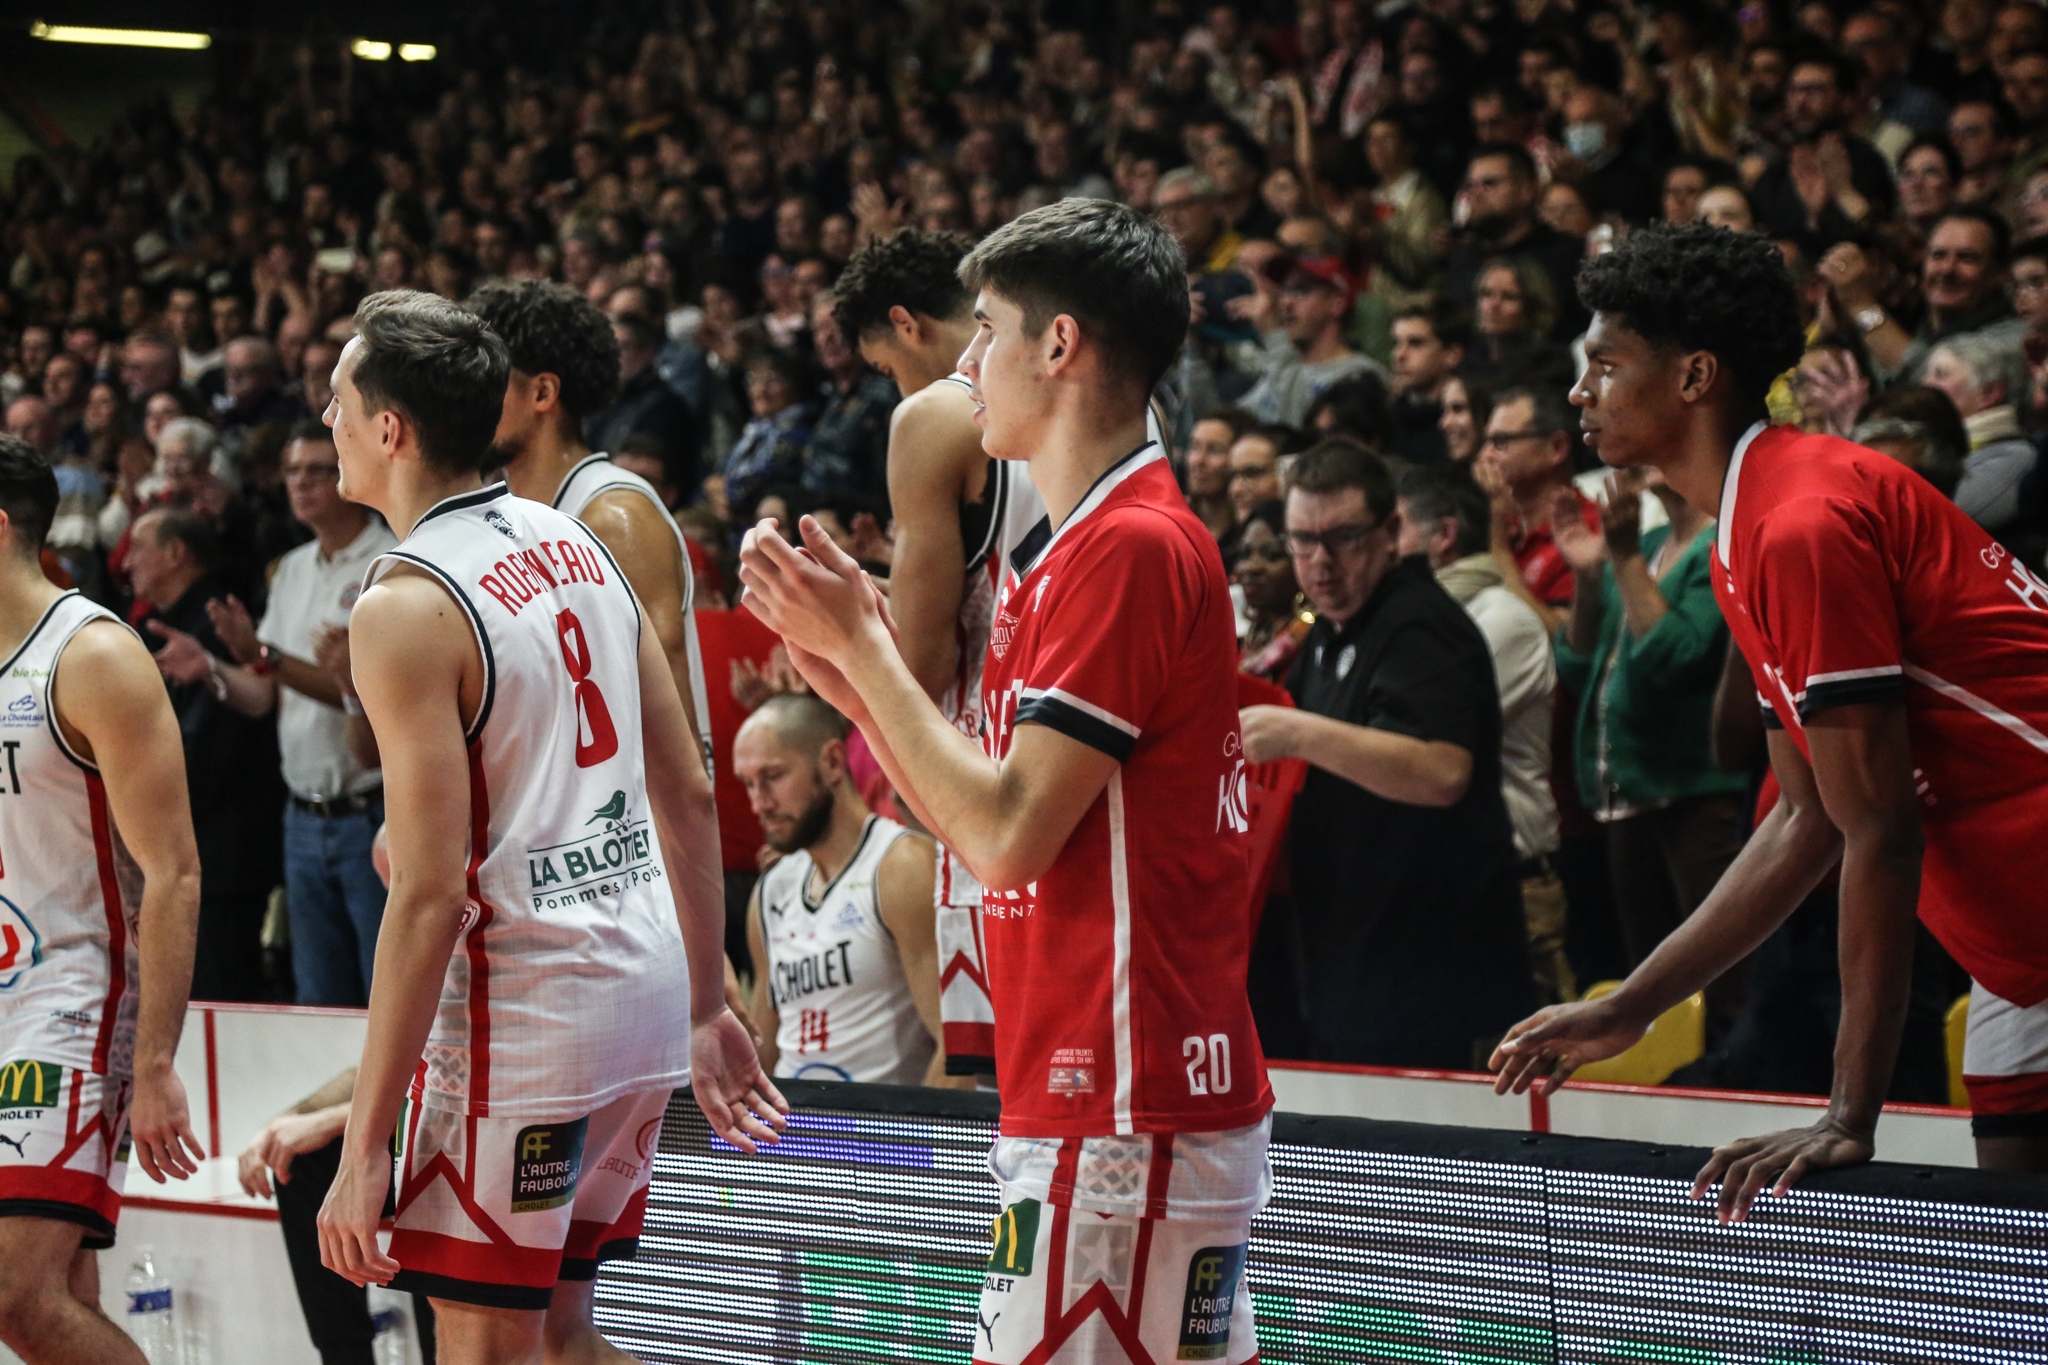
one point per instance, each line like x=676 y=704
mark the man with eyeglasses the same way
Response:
x=1524 y=459
x=1831 y=181
x=1401 y=848
x=297 y=662
x=1500 y=195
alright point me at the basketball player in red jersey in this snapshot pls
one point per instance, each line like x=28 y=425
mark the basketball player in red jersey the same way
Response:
x=549 y=967
x=1901 y=659
x=99 y=908
x=1099 y=812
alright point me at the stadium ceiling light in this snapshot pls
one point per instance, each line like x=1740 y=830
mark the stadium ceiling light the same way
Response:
x=417 y=52
x=370 y=50
x=120 y=37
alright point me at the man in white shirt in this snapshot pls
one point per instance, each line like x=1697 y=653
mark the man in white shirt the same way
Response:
x=329 y=755
x=1445 y=516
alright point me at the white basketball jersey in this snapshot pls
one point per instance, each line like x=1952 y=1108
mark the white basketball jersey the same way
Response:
x=568 y=987
x=596 y=476
x=69 y=892
x=843 y=1001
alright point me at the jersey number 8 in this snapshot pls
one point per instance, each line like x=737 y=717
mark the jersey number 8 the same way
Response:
x=1208 y=1063
x=593 y=717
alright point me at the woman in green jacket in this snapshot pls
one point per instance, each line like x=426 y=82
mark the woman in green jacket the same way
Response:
x=1643 y=651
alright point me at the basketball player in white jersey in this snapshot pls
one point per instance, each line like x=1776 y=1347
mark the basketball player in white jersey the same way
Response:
x=958 y=514
x=549 y=966
x=847 y=983
x=99 y=909
x=565 y=366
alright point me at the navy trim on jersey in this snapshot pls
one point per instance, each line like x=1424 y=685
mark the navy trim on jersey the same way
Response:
x=488 y=493
x=1821 y=696
x=515 y=1296
x=37 y=629
x=570 y=477
x=476 y=622
x=1027 y=549
x=803 y=886
x=639 y=616
x=50 y=686
x=1771 y=721
x=1104 y=484
x=981 y=520
x=1076 y=724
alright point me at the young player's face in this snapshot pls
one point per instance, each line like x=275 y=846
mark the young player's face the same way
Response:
x=1005 y=365
x=345 y=416
x=519 y=423
x=1628 y=399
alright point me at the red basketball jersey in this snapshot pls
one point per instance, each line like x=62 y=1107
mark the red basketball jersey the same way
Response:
x=1119 y=976
x=1846 y=577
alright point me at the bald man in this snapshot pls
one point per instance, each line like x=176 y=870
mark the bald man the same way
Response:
x=847 y=965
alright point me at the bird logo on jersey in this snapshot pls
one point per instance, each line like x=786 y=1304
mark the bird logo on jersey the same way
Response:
x=21 y=947
x=611 y=812
x=497 y=522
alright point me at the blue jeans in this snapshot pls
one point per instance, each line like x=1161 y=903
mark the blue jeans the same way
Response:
x=335 y=901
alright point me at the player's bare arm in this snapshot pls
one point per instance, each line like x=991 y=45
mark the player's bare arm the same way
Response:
x=904 y=887
x=1863 y=770
x=1415 y=772
x=644 y=543
x=725 y=1069
x=1791 y=850
x=113 y=710
x=935 y=462
x=307 y=1126
x=1007 y=821
x=420 y=677
x=767 y=1018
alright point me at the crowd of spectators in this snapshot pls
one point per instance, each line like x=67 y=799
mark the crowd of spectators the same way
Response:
x=1383 y=209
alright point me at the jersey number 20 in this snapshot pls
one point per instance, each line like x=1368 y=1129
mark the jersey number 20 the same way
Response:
x=593 y=717
x=1208 y=1063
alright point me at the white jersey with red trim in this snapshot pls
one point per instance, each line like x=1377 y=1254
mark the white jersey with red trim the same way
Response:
x=69 y=892
x=842 y=1003
x=989 y=530
x=590 y=480
x=1846 y=578
x=568 y=986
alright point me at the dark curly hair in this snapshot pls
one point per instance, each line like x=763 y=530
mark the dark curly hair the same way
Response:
x=1701 y=288
x=919 y=270
x=551 y=329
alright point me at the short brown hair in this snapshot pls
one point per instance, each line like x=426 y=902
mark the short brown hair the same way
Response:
x=1115 y=271
x=1334 y=465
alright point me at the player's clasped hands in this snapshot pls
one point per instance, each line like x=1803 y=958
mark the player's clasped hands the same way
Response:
x=819 y=600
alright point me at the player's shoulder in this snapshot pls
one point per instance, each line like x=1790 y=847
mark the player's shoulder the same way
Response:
x=937 y=407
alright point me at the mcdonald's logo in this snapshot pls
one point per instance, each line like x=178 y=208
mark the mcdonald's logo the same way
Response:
x=1015 y=1238
x=29 y=1085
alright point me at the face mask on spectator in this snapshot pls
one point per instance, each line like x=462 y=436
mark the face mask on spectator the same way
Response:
x=1586 y=141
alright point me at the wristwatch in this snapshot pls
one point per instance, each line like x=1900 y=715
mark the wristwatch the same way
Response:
x=265 y=662
x=1870 y=319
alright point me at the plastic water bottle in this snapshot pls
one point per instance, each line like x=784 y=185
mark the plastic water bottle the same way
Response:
x=388 y=1348
x=152 y=1316
x=391 y=1321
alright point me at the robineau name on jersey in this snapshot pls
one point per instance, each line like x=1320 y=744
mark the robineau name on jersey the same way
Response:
x=618 y=855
